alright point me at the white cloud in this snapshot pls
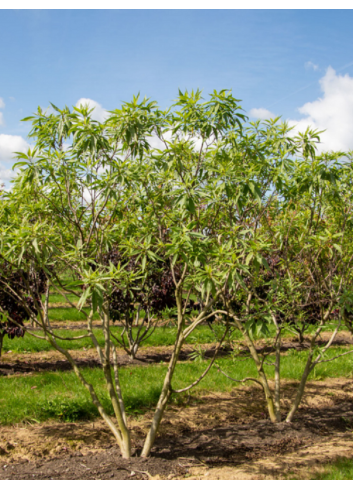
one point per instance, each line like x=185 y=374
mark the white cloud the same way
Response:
x=98 y=113
x=333 y=112
x=261 y=114
x=309 y=65
x=10 y=144
x=156 y=143
x=6 y=174
x=2 y=103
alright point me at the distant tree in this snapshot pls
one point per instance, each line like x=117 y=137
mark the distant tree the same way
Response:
x=139 y=306
x=20 y=298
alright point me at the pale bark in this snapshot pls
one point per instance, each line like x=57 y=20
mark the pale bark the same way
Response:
x=166 y=389
x=120 y=433
x=300 y=390
x=260 y=370
x=309 y=366
x=93 y=395
x=278 y=377
x=116 y=403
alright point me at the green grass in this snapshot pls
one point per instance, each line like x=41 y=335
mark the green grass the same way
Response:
x=293 y=365
x=161 y=337
x=30 y=344
x=341 y=469
x=55 y=297
x=69 y=314
x=287 y=332
x=59 y=395
x=164 y=336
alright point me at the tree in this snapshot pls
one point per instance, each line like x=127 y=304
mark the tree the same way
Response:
x=69 y=200
x=109 y=190
x=306 y=277
x=140 y=306
x=192 y=202
x=20 y=292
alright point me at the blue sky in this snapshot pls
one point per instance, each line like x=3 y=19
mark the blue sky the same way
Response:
x=298 y=64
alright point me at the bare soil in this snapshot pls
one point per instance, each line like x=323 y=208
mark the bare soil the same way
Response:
x=67 y=325
x=227 y=436
x=26 y=363
x=22 y=363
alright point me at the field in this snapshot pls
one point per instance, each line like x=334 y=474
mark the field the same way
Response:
x=50 y=429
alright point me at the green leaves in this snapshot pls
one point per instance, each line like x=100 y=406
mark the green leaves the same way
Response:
x=213 y=118
x=97 y=284
x=86 y=294
x=258 y=328
x=226 y=203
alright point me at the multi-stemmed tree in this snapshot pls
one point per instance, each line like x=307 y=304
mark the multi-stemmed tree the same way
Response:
x=150 y=209
x=306 y=279
x=89 y=188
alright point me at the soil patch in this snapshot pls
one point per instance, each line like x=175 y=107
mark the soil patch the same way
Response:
x=67 y=325
x=60 y=305
x=227 y=436
x=25 y=363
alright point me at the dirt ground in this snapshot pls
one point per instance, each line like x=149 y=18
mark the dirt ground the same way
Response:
x=226 y=436
x=22 y=363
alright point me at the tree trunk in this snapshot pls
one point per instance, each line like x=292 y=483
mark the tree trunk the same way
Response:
x=262 y=376
x=121 y=433
x=166 y=389
x=133 y=351
x=125 y=443
x=162 y=402
x=300 y=390
x=133 y=345
x=278 y=378
x=301 y=337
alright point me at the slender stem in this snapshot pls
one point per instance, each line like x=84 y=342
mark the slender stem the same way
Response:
x=257 y=381
x=260 y=370
x=166 y=389
x=119 y=414
x=208 y=368
x=277 y=400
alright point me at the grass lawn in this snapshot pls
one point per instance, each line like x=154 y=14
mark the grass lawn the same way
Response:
x=69 y=314
x=341 y=469
x=55 y=297
x=59 y=395
x=161 y=337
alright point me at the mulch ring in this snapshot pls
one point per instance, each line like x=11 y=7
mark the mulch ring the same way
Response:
x=106 y=465
x=227 y=435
